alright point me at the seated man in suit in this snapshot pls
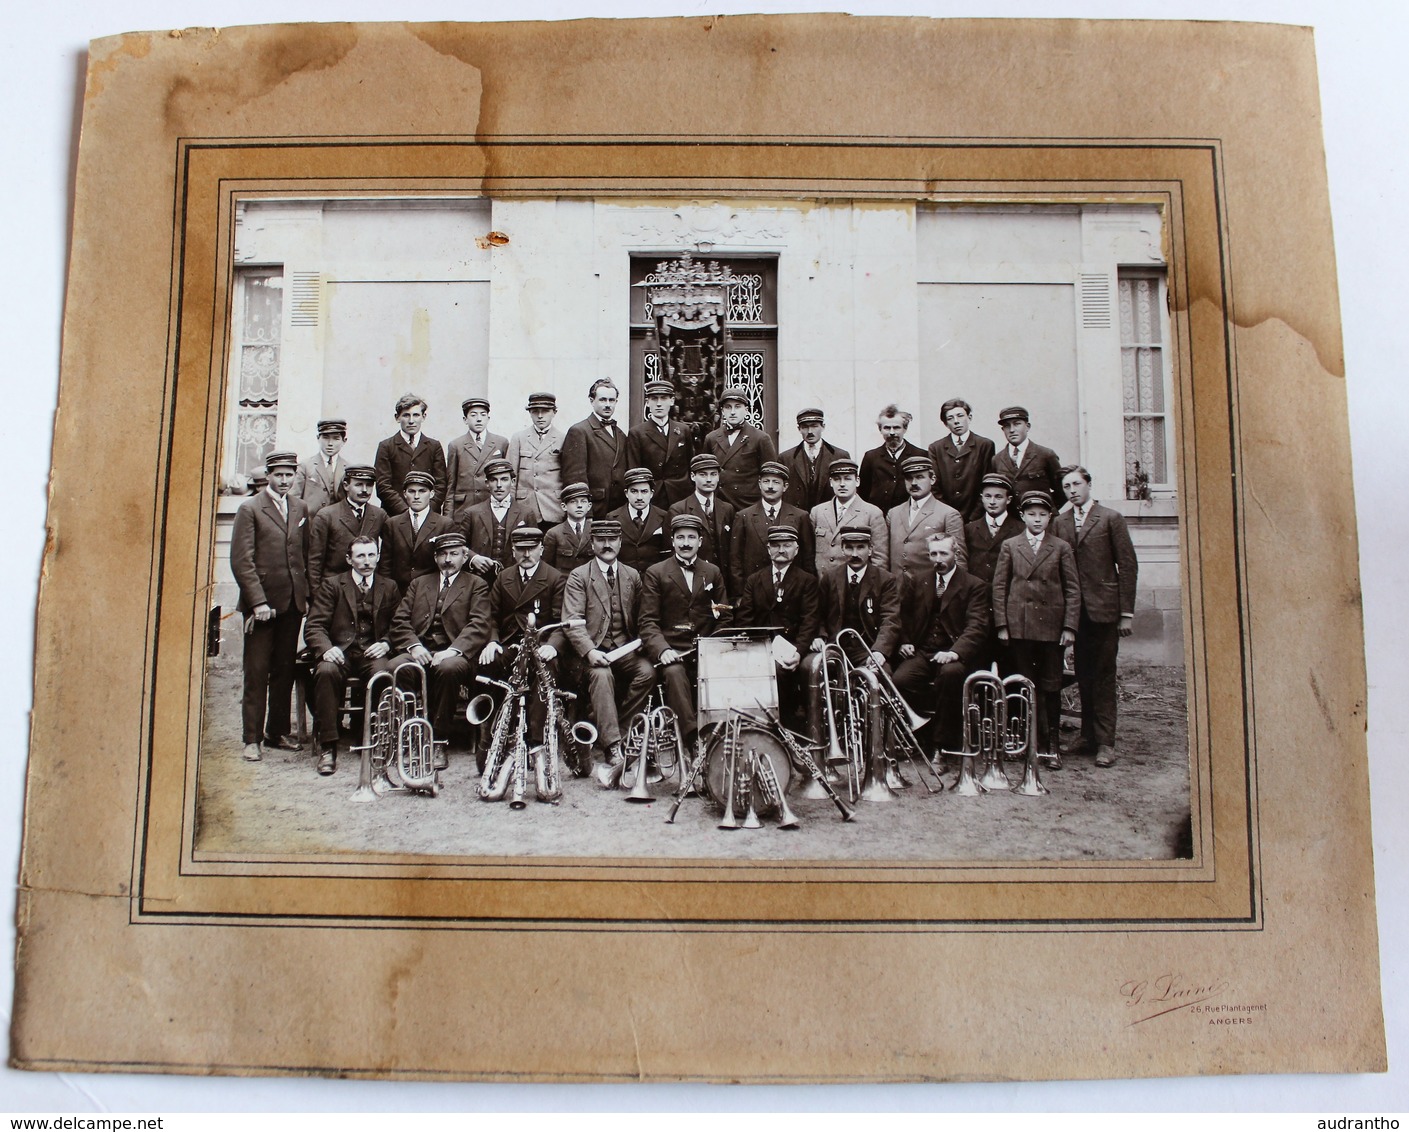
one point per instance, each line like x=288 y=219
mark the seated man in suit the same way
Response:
x=786 y=597
x=1030 y=466
x=960 y=459
x=682 y=599
x=406 y=538
x=569 y=544
x=332 y=530
x=486 y=525
x=911 y=523
x=846 y=508
x=749 y=550
x=740 y=449
x=644 y=527
x=466 y=456
x=1036 y=608
x=662 y=445
x=716 y=516
x=528 y=588
x=944 y=636
x=1107 y=567
x=604 y=593
x=407 y=449
x=882 y=484
x=319 y=479
x=811 y=462
x=443 y=624
x=349 y=631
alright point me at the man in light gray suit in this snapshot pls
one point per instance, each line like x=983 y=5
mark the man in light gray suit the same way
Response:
x=536 y=457
x=319 y=479
x=912 y=523
x=466 y=456
x=846 y=508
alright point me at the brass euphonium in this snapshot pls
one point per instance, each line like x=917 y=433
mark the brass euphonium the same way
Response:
x=1020 y=735
x=903 y=720
x=378 y=739
x=985 y=723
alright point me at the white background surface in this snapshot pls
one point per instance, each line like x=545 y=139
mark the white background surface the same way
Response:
x=1361 y=48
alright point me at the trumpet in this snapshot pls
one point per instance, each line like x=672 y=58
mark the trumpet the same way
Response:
x=799 y=751
x=772 y=792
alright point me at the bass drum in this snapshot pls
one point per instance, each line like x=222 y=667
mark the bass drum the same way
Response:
x=716 y=772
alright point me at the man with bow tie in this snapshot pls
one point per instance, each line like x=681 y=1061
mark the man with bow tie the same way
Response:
x=408 y=449
x=349 y=631
x=645 y=538
x=960 y=459
x=682 y=598
x=466 y=456
x=406 y=538
x=943 y=638
x=319 y=479
x=332 y=530
x=594 y=451
x=810 y=463
x=662 y=446
x=749 y=550
x=741 y=449
x=1030 y=466
x=845 y=509
x=783 y=596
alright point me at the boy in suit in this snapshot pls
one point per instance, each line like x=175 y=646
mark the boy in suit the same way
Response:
x=406 y=450
x=268 y=552
x=810 y=463
x=749 y=550
x=1036 y=605
x=846 y=508
x=332 y=530
x=535 y=458
x=784 y=596
x=644 y=526
x=740 y=449
x=319 y=479
x=911 y=523
x=569 y=545
x=1107 y=567
x=715 y=515
x=486 y=525
x=960 y=459
x=1030 y=466
x=466 y=456
x=662 y=445
x=594 y=451
x=406 y=538
x=349 y=631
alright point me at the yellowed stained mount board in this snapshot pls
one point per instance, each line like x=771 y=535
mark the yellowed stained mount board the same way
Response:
x=1253 y=952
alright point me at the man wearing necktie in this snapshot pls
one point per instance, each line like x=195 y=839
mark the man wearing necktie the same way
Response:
x=349 y=631
x=1030 y=466
x=332 y=530
x=594 y=451
x=466 y=456
x=911 y=523
x=661 y=445
x=569 y=545
x=716 y=516
x=786 y=598
x=405 y=450
x=488 y=524
x=741 y=449
x=535 y=458
x=406 y=538
x=645 y=538
x=268 y=556
x=882 y=483
x=749 y=550
x=943 y=637
x=960 y=459
x=846 y=508
x=810 y=463
x=319 y=479
x=984 y=538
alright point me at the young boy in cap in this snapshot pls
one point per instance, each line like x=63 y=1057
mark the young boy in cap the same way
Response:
x=1030 y=466
x=715 y=515
x=740 y=449
x=960 y=459
x=408 y=449
x=268 y=552
x=645 y=538
x=783 y=595
x=332 y=530
x=911 y=523
x=662 y=445
x=466 y=456
x=319 y=479
x=594 y=451
x=1036 y=607
x=846 y=508
x=749 y=550
x=810 y=462
x=406 y=538
x=569 y=545
x=486 y=525
x=535 y=458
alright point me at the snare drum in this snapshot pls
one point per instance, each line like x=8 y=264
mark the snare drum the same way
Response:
x=716 y=773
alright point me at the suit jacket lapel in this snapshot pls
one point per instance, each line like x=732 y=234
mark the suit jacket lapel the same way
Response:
x=272 y=509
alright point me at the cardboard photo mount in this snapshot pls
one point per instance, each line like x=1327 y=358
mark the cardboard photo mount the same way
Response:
x=1258 y=954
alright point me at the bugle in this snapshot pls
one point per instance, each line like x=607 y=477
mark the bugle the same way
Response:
x=800 y=753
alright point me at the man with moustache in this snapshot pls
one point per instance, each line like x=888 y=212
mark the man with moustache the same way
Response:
x=783 y=596
x=740 y=449
x=882 y=483
x=466 y=456
x=332 y=530
x=661 y=445
x=911 y=523
x=749 y=550
x=645 y=538
x=960 y=459
x=408 y=449
x=809 y=464
x=594 y=451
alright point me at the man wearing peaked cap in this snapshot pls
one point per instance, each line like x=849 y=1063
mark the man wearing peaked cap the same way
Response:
x=406 y=538
x=487 y=525
x=535 y=457
x=268 y=551
x=332 y=530
x=1030 y=466
x=569 y=544
x=716 y=516
x=740 y=449
x=645 y=537
x=319 y=479
x=960 y=459
x=594 y=451
x=408 y=449
x=786 y=597
x=997 y=523
x=810 y=462
x=467 y=455
x=661 y=445
x=846 y=508
x=749 y=551
x=911 y=523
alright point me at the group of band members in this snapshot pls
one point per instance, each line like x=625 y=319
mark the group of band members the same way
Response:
x=944 y=560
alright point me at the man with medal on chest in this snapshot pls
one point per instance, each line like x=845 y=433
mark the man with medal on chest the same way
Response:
x=786 y=598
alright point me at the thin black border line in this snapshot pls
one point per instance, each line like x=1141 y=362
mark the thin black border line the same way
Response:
x=183 y=195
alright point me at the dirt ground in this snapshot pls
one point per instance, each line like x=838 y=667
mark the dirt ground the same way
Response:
x=1136 y=810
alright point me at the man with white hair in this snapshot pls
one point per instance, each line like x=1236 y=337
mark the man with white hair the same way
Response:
x=882 y=482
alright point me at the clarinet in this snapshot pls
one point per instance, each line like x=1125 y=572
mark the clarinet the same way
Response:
x=801 y=753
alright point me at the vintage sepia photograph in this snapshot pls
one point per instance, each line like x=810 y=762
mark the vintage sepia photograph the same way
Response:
x=824 y=530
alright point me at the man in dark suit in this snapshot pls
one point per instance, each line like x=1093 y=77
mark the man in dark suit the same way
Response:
x=406 y=538
x=443 y=624
x=486 y=525
x=604 y=593
x=860 y=596
x=268 y=552
x=740 y=449
x=662 y=445
x=349 y=631
x=783 y=596
x=945 y=635
x=810 y=463
x=569 y=544
x=645 y=537
x=332 y=530
x=715 y=515
x=749 y=550
x=466 y=456
x=408 y=449
x=319 y=479
x=682 y=599
x=960 y=459
x=594 y=451
x=984 y=538
x=1030 y=466
x=1036 y=608
x=1106 y=564
x=882 y=483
